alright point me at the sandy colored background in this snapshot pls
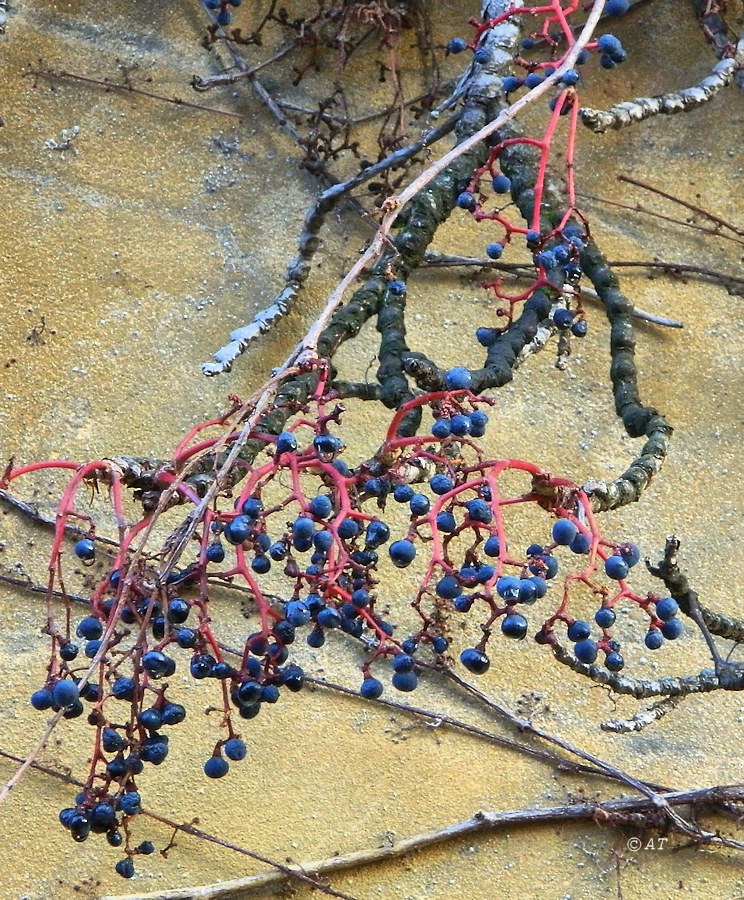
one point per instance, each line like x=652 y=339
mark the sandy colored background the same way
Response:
x=165 y=230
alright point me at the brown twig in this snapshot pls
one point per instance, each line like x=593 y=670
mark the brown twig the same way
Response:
x=62 y=75
x=637 y=207
x=698 y=210
x=612 y=813
x=285 y=871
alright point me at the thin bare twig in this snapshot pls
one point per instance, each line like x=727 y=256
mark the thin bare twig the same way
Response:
x=287 y=872
x=612 y=813
x=712 y=217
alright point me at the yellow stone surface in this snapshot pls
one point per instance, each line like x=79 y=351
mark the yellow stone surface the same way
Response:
x=162 y=229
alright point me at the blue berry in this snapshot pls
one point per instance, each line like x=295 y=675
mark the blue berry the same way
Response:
x=405 y=681
x=269 y=693
x=546 y=259
x=492 y=547
x=614 y=661
x=129 y=804
x=527 y=591
x=172 y=714
x=102 y=817
x=293 y=678
x=508 y=587
x=631 y=554
x=439 y=644
x=446 y=521
x=322 y=541
x=617 y=7
x=586 y=651
x=296 y=613
x=448 y=588
x=672 y=629
x=514 y=626
x=201 y=666
x=321 y=506
x=397 y=288
x=329 y=618
x=186 y=638
x=533 y=237
x=65 y=693
x=155 y=663
x=579 y=630
x=479 y=511
x=224 y=17
x=478 y=422
x=571 y=77
x=463 y=603
x=511 y=83
x=252 y=507
x=326 y=445
x=608 y=43
x=154 y=750
x=286 y=442
x=216 y=767
x=579 y=328
x=564 y=531
x=303 y=528
x=667 y=608
x=215 y=553
x=261 y=564
x=653 y=639
x=378 y=533
x=360 y=597
x=89 y=628
x=458 y=379
x=42 y=700
x=457 y=45
x=403 y=493
x=441 y=484
x=582 y=543
x=441 y=430
x=348 y=529
x=419 y=504
x=125 y=867
x=316 y=638
x=466 y=200
x=239 y=529
x=533 y=79
x=85 y=549
x=475 y=661
x=150 y=719
x=605 y=617
x=616 y=568
x=481 y=55
x=371 y=688
x=91 y=648
x=528 y=43
x=460 y=425
x=234 y=749
x=402 y=662
x=563 y=318
x=501 y=184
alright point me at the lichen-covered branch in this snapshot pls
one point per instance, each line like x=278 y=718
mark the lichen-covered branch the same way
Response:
x=624 y=114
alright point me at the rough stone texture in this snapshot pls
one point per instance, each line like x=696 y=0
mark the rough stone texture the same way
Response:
x=142 y=252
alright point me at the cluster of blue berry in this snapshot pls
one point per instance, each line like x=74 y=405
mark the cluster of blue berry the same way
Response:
x=222 y=8
x=308 y=516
